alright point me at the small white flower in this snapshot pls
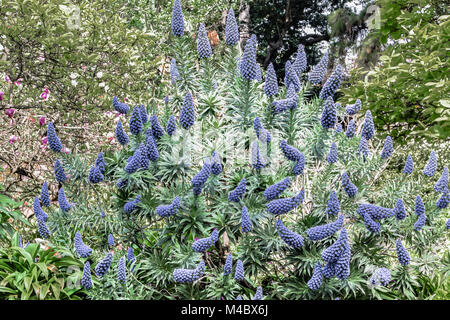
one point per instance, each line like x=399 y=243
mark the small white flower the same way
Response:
x=99 y=74
x=74 y=75
x=101 y=84
x=74 y=82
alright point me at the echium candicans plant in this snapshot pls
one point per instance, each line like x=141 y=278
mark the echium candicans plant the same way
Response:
x=192 y=240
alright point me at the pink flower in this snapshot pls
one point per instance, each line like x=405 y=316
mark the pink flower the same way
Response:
x=1 y=95
x=125 y=99
x=7 y=79
x=41 y=121
x=12 y=139
x=223 y=298
x=41 y=58
x=44 y=140
x=195 y=239
x=44 y=95
x=10 y=112
x=65 y=150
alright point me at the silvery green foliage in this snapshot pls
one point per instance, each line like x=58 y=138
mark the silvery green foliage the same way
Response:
x=282 y=256
x=318 y=72
x=316 y=280
x=203 y=46
x=177 y=19
x=431 y=166
x=231 y=29
x=53 y=139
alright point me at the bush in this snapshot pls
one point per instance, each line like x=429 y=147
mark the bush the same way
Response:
x=279 y=258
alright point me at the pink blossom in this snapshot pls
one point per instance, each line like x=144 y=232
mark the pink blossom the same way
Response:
x=10 y=112
x=44 y=140
x=125 y=99
x=13 y=139
x=18 y=82
x=7 y=79
x=65 y=150
x=41 y=121
x=1 y=95
x=223 y=298
x=41 y=58
x=44 y=95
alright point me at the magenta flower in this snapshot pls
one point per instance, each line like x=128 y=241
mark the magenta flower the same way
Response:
x=10 y=112
x=44 y=140
x=65 y=150
x=1 y=95
x=12 y=139
x=44 y=95
x=41 y=121
x=7 y=79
